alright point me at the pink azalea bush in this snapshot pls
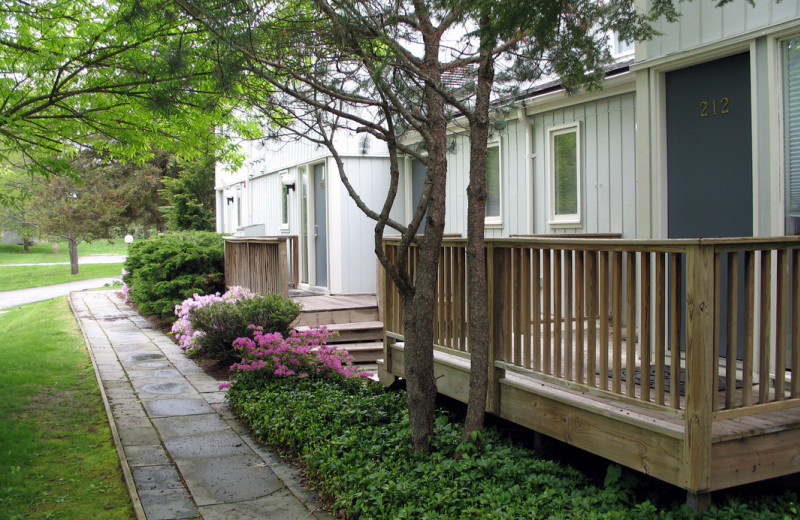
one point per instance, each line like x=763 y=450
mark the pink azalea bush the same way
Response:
x=301 y=354
x=182 y=328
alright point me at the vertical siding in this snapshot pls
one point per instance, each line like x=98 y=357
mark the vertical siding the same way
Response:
x=514 y=183
x=702 y=23
x=609 y=160
x=354 y=231
x=265 y=193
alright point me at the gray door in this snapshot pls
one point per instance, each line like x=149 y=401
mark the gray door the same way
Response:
x=320 y=226
x=709 y=150
x=709 y=158
x=418 y=173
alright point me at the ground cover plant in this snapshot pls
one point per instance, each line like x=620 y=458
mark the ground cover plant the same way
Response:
x=46 y=252
x=24 y=277
x=354 y=439
x=208 y=325
x=164 y=270
x=57 y=457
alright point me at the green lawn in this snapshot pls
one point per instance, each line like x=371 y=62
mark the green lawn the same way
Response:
x=47 y=252
x=23 y=277
x=57 y=457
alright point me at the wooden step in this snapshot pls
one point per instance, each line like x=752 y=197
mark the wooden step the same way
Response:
x=364 y=352
x=320 y=310
x=353 y=332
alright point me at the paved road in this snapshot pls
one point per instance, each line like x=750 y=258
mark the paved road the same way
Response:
x=10 y=299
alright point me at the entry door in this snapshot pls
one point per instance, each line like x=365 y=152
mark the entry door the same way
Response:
x=709 y=150
x=320 y=226
x=709 y=159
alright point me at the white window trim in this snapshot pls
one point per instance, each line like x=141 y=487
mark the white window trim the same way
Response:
x=496 y=221
x=616 y=44
x=284 y=200
x=571 y=220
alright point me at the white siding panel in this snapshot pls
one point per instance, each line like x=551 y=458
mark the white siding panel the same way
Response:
x=357 y=263
x=628 y=203
x=702 y=23
x=603 y=134
x=590 y=167
x=609 y=159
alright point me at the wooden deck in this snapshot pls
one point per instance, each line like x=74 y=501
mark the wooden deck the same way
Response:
x=561 y=310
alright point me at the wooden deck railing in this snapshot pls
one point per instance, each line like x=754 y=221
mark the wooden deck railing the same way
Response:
x=262 y=264
x=682 y=327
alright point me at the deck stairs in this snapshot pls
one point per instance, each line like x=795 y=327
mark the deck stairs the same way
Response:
x=355 y=318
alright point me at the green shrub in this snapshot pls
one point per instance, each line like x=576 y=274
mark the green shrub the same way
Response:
x=355 y=441
x=166 y=269
x=222 y=322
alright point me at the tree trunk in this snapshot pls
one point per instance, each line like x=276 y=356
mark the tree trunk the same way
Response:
x=73 y=255
x=418 y=320
x=478 y=295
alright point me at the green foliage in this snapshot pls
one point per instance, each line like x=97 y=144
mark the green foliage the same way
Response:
x=190 y=195
x=223 y=322
x=128 y=73
x=354 y=438
x=57 y=456
x=166 y=269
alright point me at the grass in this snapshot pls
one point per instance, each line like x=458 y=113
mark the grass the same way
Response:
x=57 y=457
x=47 y=252
x=24 y=277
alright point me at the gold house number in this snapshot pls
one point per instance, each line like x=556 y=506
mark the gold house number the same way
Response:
x=714 y=107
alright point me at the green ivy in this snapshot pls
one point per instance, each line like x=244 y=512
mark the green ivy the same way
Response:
x=355 y=441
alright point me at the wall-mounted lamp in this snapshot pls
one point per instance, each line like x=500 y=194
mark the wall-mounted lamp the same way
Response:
x=229 y=199
x=288 y=180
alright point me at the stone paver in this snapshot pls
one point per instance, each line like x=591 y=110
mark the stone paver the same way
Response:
x=184 y=453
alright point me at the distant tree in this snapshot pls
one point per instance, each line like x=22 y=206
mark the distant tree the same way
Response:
x=16 y=195
x=89 y=198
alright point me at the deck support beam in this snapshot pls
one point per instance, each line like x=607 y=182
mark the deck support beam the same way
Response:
x=698 y=502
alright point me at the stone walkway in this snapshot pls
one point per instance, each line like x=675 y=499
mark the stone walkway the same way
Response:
x=183 y=453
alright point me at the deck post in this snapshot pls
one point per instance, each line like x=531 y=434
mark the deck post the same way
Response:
x=497 y=328
x=283 y=269
x=699 y=373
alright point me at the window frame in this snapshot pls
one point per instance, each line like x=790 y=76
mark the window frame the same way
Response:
x=495 y=220
x=566 y=219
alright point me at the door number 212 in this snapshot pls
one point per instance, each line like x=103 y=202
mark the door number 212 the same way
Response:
x=714 y=107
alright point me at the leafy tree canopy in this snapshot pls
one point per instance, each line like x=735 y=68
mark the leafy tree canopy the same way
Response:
x=77 y=73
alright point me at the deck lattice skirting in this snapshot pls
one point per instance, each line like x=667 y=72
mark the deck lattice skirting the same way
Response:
x=262 y=264
x=677 y=358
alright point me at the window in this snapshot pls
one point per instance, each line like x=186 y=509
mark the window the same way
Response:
x=620 y=47
x=284 y=202
x=565 y=174
x=493 y=192
x=791 y=131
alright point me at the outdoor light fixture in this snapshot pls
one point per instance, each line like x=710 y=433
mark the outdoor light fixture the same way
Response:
x=288 y=180
x=128 y=239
